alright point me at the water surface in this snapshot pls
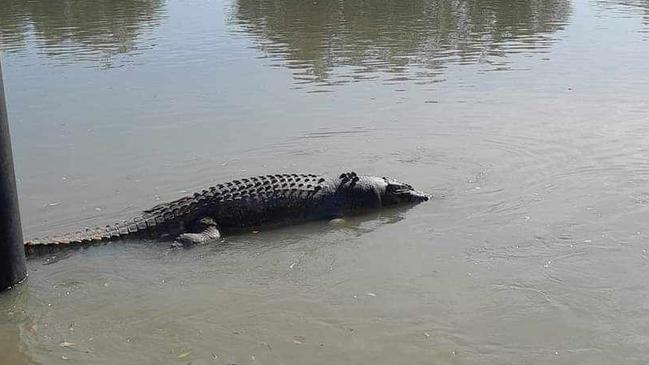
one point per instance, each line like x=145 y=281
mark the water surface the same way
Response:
x=526 y=120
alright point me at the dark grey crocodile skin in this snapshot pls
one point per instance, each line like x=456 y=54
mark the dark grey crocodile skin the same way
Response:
x=258 y=201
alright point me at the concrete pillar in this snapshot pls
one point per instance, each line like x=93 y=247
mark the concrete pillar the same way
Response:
x=12 y=251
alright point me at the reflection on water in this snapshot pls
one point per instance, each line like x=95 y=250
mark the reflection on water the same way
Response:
x=628 y=8
x=77 y=30
x=331 y=41
x=534 y=249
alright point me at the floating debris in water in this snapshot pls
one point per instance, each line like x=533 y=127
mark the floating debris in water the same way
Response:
x=184 y=354
x=548 y=264
x=67 y=344
x=371 y=294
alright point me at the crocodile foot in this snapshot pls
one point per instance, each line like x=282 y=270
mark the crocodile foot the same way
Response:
x=210 y=232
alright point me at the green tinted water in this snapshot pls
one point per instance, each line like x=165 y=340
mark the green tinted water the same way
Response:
x=527 y=120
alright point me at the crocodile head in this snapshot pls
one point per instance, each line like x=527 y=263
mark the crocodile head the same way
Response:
x=374 y=192
x=395 y=192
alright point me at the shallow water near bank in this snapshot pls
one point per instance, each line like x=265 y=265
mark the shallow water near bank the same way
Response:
x=526 y=121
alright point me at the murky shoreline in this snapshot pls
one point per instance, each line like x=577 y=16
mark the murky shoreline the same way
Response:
x=11 y=345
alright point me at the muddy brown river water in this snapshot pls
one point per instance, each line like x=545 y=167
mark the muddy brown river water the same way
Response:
x=527 y=120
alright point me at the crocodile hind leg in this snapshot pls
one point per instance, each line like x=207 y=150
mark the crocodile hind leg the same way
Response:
x=209 y=231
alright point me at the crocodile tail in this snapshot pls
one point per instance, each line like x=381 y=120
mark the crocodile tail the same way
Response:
x=88 y=236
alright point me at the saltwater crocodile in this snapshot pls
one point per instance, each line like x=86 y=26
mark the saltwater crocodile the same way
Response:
x=246 y=204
